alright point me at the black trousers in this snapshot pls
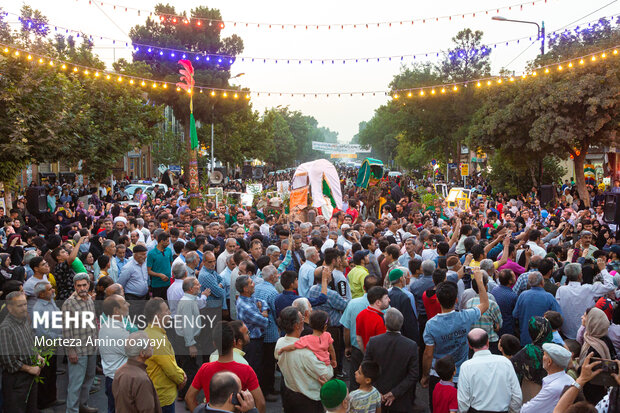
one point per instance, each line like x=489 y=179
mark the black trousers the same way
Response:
x=293 y=402
x=432 y=382
x=161 y=292
x=136 y=304
x=336 y=332
x=254 y=356
x=15 y=391
x=269 y=368
x=190 y=367
x=47 y=389
x=354 y=363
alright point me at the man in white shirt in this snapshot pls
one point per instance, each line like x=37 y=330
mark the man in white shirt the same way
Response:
x=487 y=382
x=115 y=309
x=231 y=247
x=575 y=298
x=555 y=360
x=175 y=291
x=302 y=372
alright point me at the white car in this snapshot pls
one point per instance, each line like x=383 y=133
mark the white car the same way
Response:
x=146 y=188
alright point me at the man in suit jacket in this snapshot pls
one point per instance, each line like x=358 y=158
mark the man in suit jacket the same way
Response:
x=403 y=301
x=398 y=357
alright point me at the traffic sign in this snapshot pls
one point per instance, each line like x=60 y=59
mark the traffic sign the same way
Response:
x=464 y=169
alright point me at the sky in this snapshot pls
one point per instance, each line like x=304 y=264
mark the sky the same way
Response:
x=343 y=114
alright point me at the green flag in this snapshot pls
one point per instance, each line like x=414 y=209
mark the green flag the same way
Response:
x=192 y=131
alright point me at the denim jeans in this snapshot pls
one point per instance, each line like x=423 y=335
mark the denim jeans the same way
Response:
x=81 y=376
x=108 y=392
x=168 y=409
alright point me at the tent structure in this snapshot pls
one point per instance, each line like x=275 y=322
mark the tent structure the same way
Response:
x=370 y=173
x=321 y=179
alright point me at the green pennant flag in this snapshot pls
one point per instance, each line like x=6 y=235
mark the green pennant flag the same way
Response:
x=192 y=131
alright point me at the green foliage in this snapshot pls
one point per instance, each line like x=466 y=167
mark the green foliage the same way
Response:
x=563 y=113
x=515 y=176
x=421 y=128
x=49 y=116
x=169 y=148
x=283 y=148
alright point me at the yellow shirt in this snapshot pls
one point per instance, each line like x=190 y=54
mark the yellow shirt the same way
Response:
x=162 y=367
x=475 y=263
x=52 y=280
x=356 y=280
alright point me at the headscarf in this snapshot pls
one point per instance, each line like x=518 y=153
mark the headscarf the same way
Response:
x=541 y=333
x=597 y=325
x=5 y=271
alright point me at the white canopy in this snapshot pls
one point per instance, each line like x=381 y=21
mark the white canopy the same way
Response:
x=313 y=173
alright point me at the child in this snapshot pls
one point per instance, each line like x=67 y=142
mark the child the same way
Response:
x=104 y=265
x=366 y=399
x=573 y=366
x=319 y=342
x=556 y=321
x=509 y=345
x=445 y=394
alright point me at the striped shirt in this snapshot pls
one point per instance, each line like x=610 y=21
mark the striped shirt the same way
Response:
x=16 y=342
x=492 y=316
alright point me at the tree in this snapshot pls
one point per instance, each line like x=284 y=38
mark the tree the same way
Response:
x=49 y=115
x=168 y=147
x=436 y=120
x=196 y=39
x=562 y=113
x=283 y=148
x=514 y=176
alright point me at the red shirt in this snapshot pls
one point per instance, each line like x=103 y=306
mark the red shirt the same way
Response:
x=369 y=323
x=431 y=303
x=445 y=398
x=248 y=378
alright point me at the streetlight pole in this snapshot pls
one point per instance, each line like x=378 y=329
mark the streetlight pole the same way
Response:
x=540 y=27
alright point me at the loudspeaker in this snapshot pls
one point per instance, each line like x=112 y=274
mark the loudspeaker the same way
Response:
x=36 y=200
x=611 y=211
x=546 y=194
x=246 y=172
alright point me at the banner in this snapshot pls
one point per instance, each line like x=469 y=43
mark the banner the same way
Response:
x=283 y=186
x=299 y=198
x=339 y=147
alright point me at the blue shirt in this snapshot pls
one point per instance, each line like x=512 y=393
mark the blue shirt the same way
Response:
x=211 y=279
x=417 y=288
x=448 y=333
x=248 y=312
x=120 y=263
x=286 y=298
x=354 y=307
x=506 y=299
x=159 y=262
x=134 y=278
x=334 y=306
x=267 y=292
x=533 y=302
x=306 y=278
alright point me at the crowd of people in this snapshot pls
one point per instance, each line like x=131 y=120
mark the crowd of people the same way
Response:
x=506 y=305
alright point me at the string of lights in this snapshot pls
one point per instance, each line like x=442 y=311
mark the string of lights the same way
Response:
x=224 y=61
x=433 y=90
x=206 y=22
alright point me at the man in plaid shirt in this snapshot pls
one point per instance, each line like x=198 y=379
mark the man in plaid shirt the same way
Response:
x=210 y=279
x=16 y=350
x=254 y=313
x=82 y=356
x=267 y=292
